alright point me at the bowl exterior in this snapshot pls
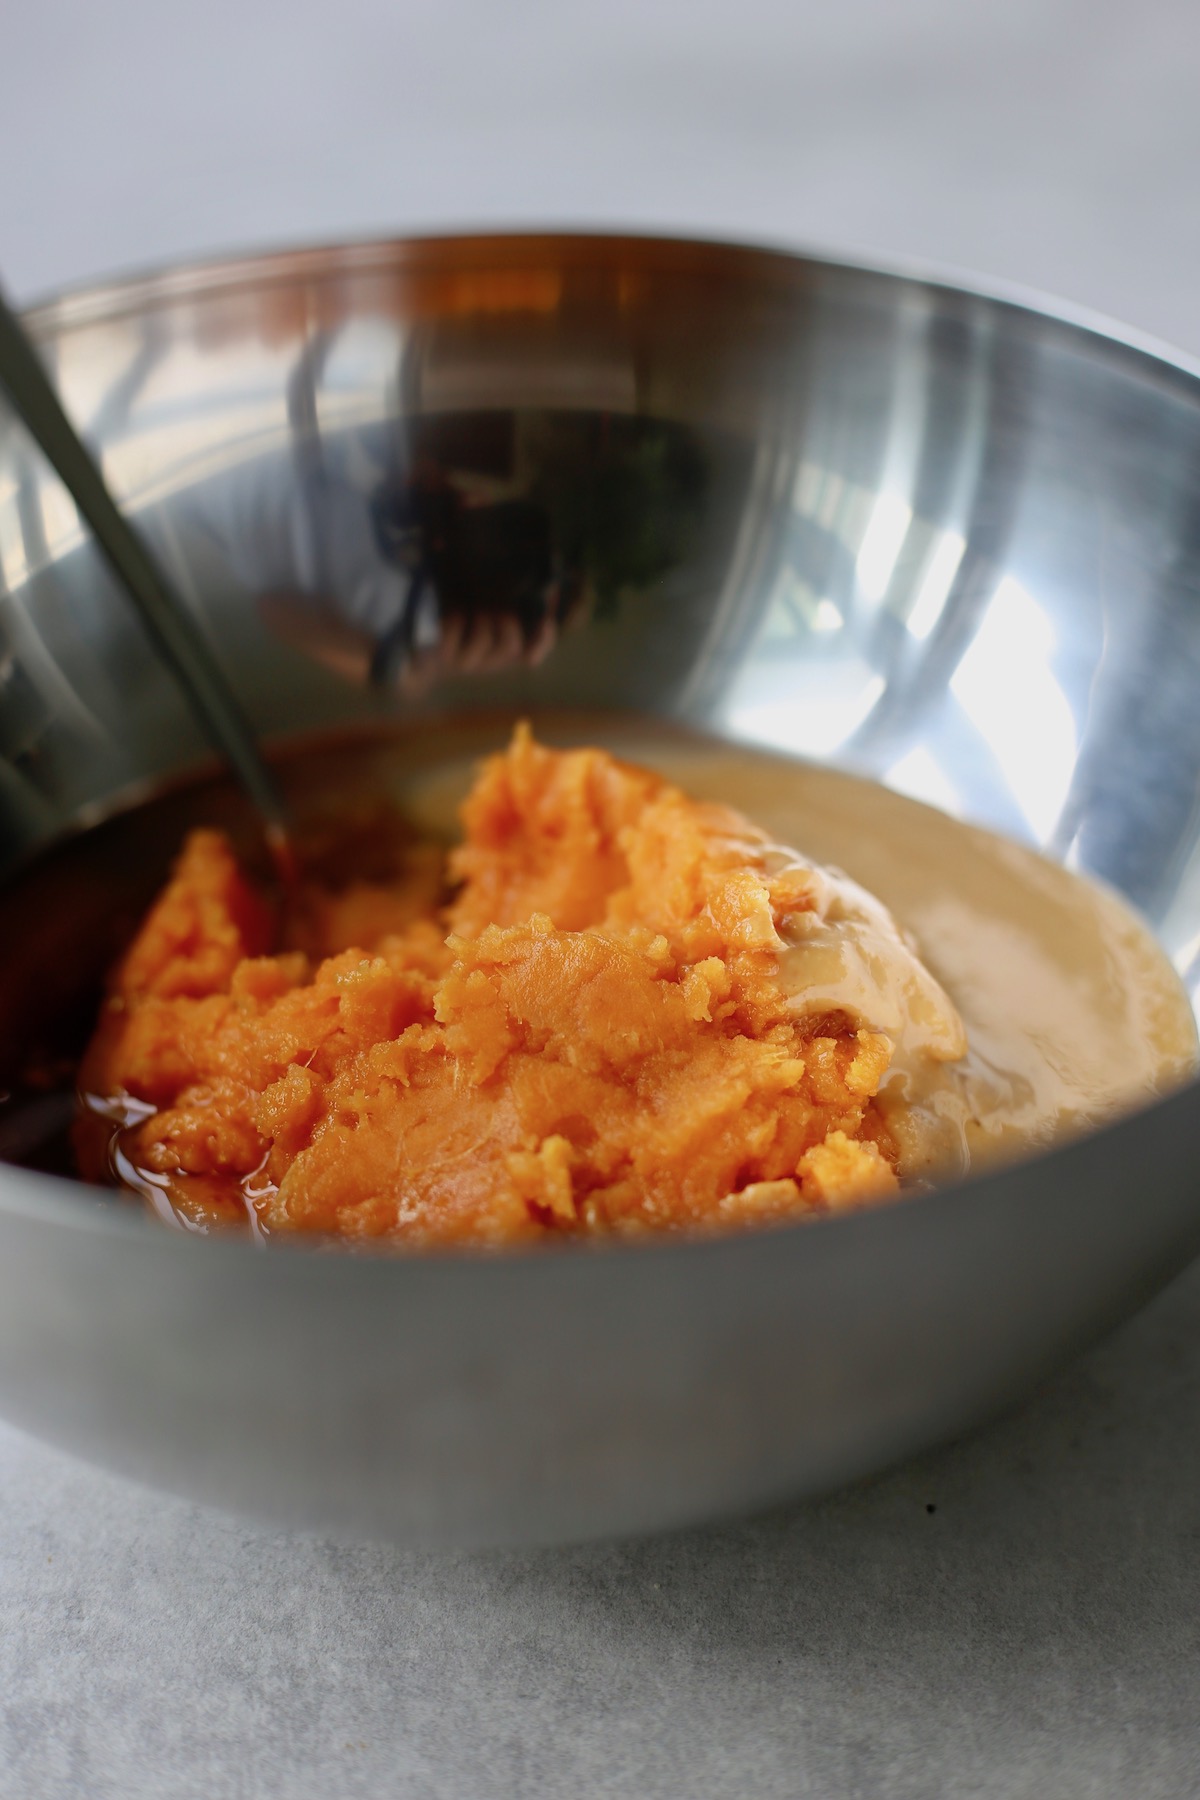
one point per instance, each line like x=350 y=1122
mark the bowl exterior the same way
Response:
x=940 y=538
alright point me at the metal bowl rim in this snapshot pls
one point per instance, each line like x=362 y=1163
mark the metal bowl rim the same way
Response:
x=93 y=301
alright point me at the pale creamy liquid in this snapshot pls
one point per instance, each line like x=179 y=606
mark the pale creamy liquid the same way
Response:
x=1072 y=1012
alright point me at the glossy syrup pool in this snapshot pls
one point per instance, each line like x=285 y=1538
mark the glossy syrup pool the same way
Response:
x=1072 y=1010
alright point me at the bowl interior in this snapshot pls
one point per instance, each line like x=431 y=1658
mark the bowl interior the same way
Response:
x=938 y=538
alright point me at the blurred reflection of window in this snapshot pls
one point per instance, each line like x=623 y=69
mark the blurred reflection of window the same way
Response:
x=919 y=775
x=811 y=718
x=1007 y=689
x=934 y=590
x=882 y=543
x=796 y=609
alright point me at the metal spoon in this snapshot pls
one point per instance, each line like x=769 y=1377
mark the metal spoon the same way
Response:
x=171 y=627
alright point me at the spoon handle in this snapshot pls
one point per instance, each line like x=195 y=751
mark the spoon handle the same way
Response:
x=175 y=633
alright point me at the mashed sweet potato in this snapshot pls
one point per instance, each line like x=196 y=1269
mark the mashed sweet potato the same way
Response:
x=583 y=1032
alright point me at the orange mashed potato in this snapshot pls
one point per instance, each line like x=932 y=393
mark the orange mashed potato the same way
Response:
x=576 y=1027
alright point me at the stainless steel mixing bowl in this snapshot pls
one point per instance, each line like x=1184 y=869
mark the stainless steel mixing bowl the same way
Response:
x=943 y=538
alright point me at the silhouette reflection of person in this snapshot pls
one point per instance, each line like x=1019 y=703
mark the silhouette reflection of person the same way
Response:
x=422 y=584
x=426 y=544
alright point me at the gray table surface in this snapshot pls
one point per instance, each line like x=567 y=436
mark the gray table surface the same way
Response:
x=1016 y=1615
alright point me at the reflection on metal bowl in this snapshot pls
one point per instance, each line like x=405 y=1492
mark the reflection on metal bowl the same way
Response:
x=945 y=540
